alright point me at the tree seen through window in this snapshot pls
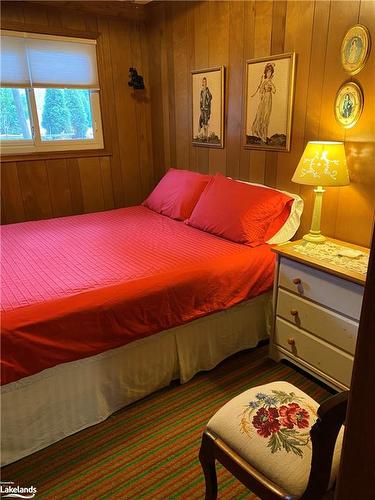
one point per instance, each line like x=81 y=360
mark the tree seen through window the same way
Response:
x=14 y=115
x=64 y=114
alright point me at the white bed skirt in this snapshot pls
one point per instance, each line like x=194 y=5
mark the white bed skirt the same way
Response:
x=39 y=410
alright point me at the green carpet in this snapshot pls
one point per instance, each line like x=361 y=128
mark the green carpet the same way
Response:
x=150 y=449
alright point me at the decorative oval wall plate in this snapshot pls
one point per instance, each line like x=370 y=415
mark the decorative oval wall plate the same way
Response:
x=355 y=48
x=348 y=104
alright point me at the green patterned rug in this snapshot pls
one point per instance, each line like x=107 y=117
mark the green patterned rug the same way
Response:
x=150 y=449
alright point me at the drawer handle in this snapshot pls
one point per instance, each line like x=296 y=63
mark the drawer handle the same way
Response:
x=291 y=341
x=297 y=281
x=294 y=312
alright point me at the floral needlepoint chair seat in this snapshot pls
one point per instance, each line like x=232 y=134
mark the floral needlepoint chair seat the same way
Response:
x=263 y=436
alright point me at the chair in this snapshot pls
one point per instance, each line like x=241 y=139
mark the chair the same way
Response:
x=266 y=437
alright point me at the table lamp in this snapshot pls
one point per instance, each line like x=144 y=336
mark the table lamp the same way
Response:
x=323 y=163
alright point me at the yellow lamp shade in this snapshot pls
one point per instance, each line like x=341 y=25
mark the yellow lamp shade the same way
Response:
x=322 y=164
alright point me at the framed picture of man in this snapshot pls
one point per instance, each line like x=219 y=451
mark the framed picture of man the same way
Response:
x=208 y=107
x=269 y=101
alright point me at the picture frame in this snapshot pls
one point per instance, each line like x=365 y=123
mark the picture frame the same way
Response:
x=355 y=49
x=208 y=106
x=269 y=102
x=348 y=104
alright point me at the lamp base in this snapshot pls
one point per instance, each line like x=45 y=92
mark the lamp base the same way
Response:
x=314 y=238
x=314 y=235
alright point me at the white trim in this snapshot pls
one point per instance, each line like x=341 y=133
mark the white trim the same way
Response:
x=50 y=147
x=42 y=36
x=34 y=122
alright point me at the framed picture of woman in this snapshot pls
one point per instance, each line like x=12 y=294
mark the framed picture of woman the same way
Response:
x=269 y=101
x=208 y=107
x=348 y=104
x=355 y=48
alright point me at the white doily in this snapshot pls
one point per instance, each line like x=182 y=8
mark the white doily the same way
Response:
x=330 y=252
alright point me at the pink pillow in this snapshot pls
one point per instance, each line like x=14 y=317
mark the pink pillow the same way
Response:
x=177 y=193
x=237 y=211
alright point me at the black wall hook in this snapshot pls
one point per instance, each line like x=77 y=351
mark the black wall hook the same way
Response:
x=136 y=81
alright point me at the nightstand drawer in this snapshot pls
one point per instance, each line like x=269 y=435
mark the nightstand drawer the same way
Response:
x=318 y=354
x=335 y=293
x=324 y=323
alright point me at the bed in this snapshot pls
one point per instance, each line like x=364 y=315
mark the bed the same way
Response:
x=99 y=310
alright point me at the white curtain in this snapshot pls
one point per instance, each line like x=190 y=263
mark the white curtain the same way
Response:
x=32 y=60
x=14 y=67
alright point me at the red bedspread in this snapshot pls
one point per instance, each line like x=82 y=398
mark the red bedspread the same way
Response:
x=76 y=286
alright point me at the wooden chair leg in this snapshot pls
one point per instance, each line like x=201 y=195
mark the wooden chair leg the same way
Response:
x=207 y=460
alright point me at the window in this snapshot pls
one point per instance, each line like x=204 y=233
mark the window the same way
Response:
x=15 y=115
x=49 y=96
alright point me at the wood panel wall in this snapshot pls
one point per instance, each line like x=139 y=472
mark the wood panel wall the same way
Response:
x=190 y=35
x=58 y=185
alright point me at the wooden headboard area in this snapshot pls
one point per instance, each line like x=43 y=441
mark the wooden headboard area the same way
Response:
x=193 y=35
x=145 y=135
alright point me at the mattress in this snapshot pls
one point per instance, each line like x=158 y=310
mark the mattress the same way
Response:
x=77 y=286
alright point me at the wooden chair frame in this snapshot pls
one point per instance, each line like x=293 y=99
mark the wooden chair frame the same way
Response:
x=331 y=416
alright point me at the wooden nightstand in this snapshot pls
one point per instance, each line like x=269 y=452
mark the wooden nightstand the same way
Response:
x=317 y=304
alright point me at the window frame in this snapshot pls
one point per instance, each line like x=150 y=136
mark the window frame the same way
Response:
x=35 y=144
